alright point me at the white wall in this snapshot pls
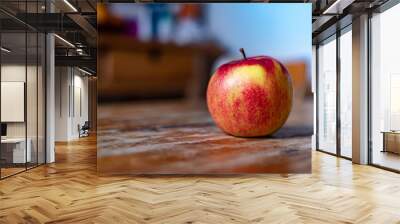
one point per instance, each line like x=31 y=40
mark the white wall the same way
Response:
x=70 y=83
x=62 y=83
x=80 y=111
x=33 y=126
x=82 y=82
x=16 y=72
x=12 y=101
x=389 y=66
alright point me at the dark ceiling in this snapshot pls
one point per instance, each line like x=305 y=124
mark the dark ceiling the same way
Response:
x=72 y=20
x=76 y=22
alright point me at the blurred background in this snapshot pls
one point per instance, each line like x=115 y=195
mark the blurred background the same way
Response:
x=160 y=51
x=164 y=55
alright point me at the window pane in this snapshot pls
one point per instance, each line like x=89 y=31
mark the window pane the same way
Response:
x=31 y=97
x=327 y=97
x=346 y=94
x=41 y=98
x=14 y=153
x=385 y=114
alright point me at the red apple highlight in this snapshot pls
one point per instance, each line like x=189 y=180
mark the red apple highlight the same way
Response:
x=250 y=97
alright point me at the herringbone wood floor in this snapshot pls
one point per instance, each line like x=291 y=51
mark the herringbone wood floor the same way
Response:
x=70 y=191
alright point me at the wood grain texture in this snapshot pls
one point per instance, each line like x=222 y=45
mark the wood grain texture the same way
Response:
x=70 y=191
x=172 y=137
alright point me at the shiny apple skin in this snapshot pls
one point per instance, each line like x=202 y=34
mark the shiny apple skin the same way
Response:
x=250 y=97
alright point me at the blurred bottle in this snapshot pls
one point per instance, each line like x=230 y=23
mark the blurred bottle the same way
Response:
x=165 y=28
x=189 y=27
x=106 y=21
x=161 y=23
x=125 y=19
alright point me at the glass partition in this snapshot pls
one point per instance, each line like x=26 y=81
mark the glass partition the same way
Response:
x=327 y=96
x=23 y=91
x=346 y=93
x=32 y=96
x=41 y=96
x=15 y=149
x=385 y=89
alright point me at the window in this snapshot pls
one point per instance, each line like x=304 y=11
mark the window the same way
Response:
x=385 y=89
x=22 y=98
x=327 y=96
x=346 y=93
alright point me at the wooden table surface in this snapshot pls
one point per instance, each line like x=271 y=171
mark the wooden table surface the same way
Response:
x=175 y=137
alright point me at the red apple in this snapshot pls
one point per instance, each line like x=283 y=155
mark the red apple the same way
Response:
x=250 y=97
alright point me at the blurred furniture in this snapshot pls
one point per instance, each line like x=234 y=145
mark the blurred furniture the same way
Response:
x=391 y=141
x=13 y=150
x=298 y=72
x=84 y=129
x=129 y=68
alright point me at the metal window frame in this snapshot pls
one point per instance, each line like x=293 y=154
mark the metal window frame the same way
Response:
x=44 y=74
x=339 y=32
x=387 y=5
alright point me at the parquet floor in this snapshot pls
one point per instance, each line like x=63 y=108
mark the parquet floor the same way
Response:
x=70 y=191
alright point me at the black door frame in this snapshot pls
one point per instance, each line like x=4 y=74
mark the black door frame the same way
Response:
x=44 y=80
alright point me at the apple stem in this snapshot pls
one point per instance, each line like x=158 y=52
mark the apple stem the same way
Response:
x=243 y=53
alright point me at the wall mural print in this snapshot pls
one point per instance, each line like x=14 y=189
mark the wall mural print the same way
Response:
x=204 y=88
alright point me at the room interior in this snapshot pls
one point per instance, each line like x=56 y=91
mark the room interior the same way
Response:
x=22 y=102
x=385 y=89
x=26 y=105
x=72 y=104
